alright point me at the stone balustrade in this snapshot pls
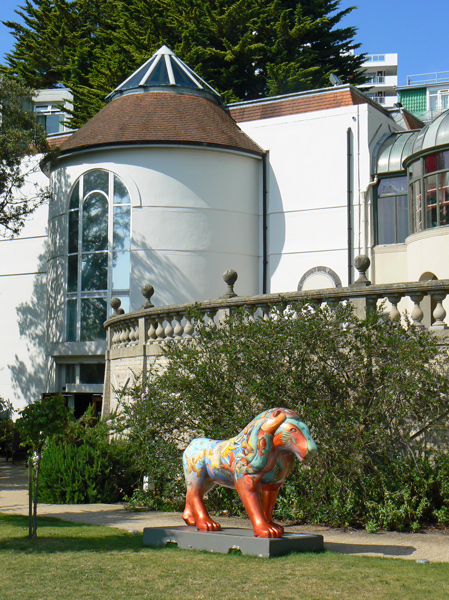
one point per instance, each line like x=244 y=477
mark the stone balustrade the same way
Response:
x=136 y=338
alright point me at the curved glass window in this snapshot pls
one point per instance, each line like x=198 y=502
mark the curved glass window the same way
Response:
x=429 y=191
x=392 y=211
x=98 y=252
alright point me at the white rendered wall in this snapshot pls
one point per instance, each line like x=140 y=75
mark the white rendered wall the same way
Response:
x=23 y=301
x=195 y=214
x=308 y=191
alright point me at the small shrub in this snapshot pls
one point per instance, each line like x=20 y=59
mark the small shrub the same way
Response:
x=85 y=466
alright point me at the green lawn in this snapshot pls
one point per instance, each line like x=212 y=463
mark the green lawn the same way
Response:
x=69 y=561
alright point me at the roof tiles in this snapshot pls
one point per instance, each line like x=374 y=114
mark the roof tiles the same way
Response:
x=302 y=103
x=161 y=117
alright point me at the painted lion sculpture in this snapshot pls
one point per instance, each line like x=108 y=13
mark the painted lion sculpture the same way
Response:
x=255 y=463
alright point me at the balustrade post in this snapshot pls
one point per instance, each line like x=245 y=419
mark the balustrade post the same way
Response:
x=115 y=304
x=151 y=335
x=179 y=329
x=439 y=314
x=360 y=304
x=210 y=314
x=417 y=313
x=142 y=330
x=394 y=300
x=160 y=329
x=230 y=277
x=147 y=291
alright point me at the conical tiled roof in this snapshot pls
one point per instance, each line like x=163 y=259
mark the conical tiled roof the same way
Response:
x=164 y=69
x=163 y=102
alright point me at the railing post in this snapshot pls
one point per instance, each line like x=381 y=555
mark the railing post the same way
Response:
x=417 y=314
x=360 y=304
x=439 y=314
x=394 y=300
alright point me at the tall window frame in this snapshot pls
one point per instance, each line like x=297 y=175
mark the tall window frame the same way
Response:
x=392 y=212
x=98 y=252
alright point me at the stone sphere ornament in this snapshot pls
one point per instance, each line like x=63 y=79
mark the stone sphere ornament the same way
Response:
x=255 y=463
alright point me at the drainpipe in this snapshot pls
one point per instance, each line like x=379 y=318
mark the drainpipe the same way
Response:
x=264 y=225
x=349 y=199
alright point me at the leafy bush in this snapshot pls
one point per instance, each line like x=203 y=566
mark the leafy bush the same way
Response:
x=364 y=387
x=85 y=466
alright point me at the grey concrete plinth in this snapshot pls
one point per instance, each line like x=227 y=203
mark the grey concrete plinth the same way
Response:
x=189 y=538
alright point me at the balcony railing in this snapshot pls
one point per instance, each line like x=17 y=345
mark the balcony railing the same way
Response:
x=155 y=325
x=427 y=78
x=376 y=79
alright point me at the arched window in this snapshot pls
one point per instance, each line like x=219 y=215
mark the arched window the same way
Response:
x=98 y=252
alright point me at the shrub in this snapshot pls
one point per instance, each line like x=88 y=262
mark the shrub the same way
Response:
x=364 y=387
x=85 y=466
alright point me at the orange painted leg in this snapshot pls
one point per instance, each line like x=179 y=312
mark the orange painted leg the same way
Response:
x=196 y=513
x=188 y=515
x=269 y=497
x=251 y=499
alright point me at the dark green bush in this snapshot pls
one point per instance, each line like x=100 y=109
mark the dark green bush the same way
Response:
x=364 y=387
x=85 y=466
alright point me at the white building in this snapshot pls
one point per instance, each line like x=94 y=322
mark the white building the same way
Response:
x=426 y=95
x=382 y=78
x=166 y=186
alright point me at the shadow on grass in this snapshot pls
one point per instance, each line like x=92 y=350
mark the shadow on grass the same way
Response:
x=54 y=535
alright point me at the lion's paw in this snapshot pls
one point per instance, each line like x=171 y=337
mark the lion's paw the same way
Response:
x=269 y=530
x=208 y=525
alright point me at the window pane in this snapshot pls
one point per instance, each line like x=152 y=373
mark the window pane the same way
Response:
x=417 y=206
x=53 y=123
x=416 y=169
x=159 y=76
x=73 y=231
x=95 y=222
x=443 y=181
x=96 y=180
x=121 y=195
x=137 y=78
x=442 y=160
x=393 y=185
x=386 y=227
x=181 y=77
x=71 y=320
x=70 y=374
x=72 y=273
x=91 y=373
x=430 y=194
x=94 y=271
x=401 y=219
x=120 y=270
x=93 y=315
x=121 y=237
x=430 y=163
x=75 y=197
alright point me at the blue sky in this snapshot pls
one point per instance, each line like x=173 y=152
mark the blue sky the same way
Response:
x=415 y=29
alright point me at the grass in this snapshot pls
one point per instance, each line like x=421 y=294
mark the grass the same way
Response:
x=73 y=561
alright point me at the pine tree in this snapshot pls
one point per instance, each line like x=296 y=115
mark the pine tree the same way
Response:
x=20 y=139
x=246 y=49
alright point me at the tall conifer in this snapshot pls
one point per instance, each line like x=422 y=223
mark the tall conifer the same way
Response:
x=246 y=49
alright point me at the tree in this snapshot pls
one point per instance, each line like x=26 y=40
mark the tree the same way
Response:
x=246 y=49
x=21 y=141
x=37 y=422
